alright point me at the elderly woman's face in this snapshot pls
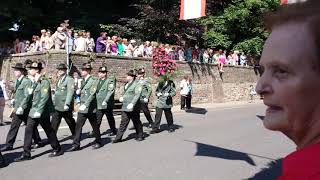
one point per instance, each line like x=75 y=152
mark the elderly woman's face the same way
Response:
x=290 y=84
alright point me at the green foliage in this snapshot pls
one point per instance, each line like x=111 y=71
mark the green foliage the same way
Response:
x=230 y=24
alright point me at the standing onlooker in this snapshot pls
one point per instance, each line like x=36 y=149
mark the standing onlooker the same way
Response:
x=131 y=48
x=184 y=90
x=189 y=96
x=48 y=41
x=43 y=38
x=125 y=46
x=3 y=98
x=114 y=46
x=59 y=38
x=70 y=41
x=26 y=46
x=243 y=59
x=35 y=46
x=222 y=60
x=148 y=49
x=205 y=57
x=18 y=46
x=100 y=43
x=90 y=42
x=235 y=58
x=80 y=43
x=120 y=47
x=189 y=55
x=181 y=54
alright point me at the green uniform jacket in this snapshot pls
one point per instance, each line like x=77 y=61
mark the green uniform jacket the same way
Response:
x=146 y=89
x=132 y=93
x=106 y=93
x=41 y=101
x=166 y=101
x=22 y=95
x=64 y=93
x=88 y=95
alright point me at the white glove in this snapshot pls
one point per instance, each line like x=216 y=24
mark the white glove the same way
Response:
x=104 y=103
x=82 y=107
x=145 y=100
x=130 y=106
x=159 y=94
x=12 y=102
x=19 y=111
x=66 y=108
x=36 y=115
x=121 y=99
x=166 y=94
x=78 y=91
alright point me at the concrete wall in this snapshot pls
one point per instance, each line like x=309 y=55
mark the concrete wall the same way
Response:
x=207 y=83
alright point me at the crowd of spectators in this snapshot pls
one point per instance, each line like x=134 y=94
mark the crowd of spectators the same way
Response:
x=81 y=41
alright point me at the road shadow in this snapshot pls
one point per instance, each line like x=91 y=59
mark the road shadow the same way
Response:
x=271 y=172
x=133 y=136
x=165 y=127
x=222 y=153
x=196 y=110
x=10 y=156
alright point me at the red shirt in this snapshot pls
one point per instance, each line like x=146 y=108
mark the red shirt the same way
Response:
x=303 y=164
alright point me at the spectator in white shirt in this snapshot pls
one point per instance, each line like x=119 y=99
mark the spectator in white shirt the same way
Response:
x=80 y=43
x=184 y=90
x=90 y=42
x=3 y=98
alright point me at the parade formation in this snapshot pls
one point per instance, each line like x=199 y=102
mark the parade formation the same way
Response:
x=33 y=104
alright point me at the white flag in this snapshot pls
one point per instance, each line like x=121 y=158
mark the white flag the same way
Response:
x=283 y=2
x=191 y=9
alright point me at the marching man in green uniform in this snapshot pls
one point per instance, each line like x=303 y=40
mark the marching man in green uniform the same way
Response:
x=88 y=108
x=40 y=111
x=130 y=108
x=145 y=95
x=22 y=104
x=63 y=100
x=105 y=99
x=166 y=89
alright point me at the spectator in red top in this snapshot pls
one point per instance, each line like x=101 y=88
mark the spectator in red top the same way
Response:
x=290 y=85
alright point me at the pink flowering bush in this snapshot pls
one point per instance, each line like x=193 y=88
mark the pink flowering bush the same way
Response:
x=162 y=65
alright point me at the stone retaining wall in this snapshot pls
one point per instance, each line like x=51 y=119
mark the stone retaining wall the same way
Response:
x=207 y=84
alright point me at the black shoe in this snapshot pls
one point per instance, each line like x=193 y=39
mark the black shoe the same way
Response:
x=38 y=145
x=56 y=153
x=155 y=131
x=2 y=124
x=6 y=148
x=23 y=157
x=171 y=130
x=139 y=139
x=91 y=134
x=97 y=146
x=112 y=133
x=74 y=148
x=116 y=141
x=150 y=125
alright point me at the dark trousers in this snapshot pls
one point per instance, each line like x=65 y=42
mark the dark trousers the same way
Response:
x=125 y=119
x=1 y=159
x=110 y=117
x=183 y=101
x=46 y=125
x=188 y=101
x=146 y=112
x=168 y=114
x=67 y=115
x=14 y=128
x=81 y=121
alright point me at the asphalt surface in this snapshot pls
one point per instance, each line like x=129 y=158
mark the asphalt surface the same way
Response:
x=211 y=143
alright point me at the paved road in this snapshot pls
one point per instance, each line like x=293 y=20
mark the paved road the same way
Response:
x=226 y=143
